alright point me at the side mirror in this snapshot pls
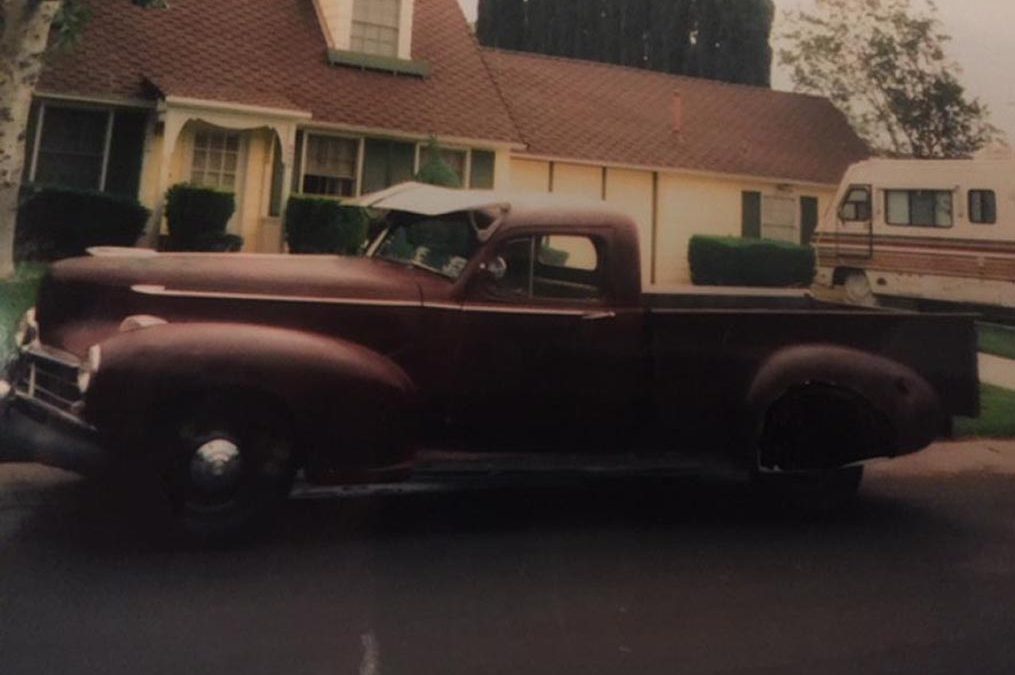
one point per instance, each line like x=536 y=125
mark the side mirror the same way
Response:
x=495 y=268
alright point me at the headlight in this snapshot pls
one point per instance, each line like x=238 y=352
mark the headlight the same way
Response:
x=27 y=331
x=89 y=367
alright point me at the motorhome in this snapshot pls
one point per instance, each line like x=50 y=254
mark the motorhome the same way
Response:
x=922 y=230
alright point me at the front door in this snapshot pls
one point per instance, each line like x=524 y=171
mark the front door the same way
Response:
x=527 y=363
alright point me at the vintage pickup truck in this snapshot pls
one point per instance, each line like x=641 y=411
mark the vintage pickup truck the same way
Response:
x=475 y=326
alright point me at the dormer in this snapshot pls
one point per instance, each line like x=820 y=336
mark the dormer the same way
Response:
x=373 y=34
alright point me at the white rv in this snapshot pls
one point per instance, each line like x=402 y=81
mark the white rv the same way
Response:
x=941 y=230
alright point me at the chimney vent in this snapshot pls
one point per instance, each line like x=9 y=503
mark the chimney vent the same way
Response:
x=678 y=111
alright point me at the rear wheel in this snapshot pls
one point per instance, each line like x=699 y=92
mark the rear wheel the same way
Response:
x=812 y=491
x=229 y=461
x=811 y=441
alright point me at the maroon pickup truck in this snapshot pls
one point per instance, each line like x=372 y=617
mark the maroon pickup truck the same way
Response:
x=476 y=329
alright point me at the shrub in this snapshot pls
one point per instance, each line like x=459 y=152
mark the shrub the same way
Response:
x=56 y=222
x=197 y=217
x=729 y=261
x=434 y=170
x=315 y=225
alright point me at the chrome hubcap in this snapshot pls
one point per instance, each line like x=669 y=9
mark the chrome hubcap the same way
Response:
x=215 y=465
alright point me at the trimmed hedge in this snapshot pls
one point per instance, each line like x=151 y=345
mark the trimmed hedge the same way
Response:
x=197 y=218
x=316 y=225
x=730 y=261
x=55 y=222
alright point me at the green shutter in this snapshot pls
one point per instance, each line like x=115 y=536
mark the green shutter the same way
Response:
x=298 y=164
x=126 y=150
x=481 y=174
x=750 y=223
x=808 y=219
x=386 y=163
x=277 y=178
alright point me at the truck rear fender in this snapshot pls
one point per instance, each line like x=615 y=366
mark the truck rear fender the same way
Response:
x=352 y=408
x=897 y=392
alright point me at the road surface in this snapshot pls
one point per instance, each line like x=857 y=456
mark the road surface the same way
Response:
x=627 y=576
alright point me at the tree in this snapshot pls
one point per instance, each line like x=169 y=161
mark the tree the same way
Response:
x=29 y=30
x=434 y=170
x=717 y=39
x=884 y=64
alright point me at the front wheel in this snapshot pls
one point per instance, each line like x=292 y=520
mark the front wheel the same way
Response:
x=857 y=287
x=229 y=462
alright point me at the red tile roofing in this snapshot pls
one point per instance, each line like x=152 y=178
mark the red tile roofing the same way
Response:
x=604 y=113
x=274 y=53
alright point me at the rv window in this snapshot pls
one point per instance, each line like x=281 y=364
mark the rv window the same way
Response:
x=918 y=208
x=856 y=206
x=982 y=207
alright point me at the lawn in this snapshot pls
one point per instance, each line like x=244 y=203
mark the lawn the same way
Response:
x=16 y=296
x=997 y=340
x=997 y=415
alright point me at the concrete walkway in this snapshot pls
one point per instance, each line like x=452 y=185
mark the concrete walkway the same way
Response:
x=997 y=371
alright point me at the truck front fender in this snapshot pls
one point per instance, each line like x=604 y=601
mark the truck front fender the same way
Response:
x=908 y=402
x=351 y=407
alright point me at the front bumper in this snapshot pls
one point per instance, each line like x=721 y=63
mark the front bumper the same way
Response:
x=38 y=425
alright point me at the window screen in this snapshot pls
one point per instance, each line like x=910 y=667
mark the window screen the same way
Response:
x=330 y=166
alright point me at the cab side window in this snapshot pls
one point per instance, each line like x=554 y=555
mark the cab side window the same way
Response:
x=856 y=206
x=567 y=268
x=548 y=267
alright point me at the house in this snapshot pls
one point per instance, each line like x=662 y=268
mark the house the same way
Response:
x=682 y=155
x=336 y=98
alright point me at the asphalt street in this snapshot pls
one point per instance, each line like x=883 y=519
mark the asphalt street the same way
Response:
x=681 y=575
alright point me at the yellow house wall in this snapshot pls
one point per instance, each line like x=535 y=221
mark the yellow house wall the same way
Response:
x=529 y=176
x=575 y=180
x=687 y=205
x=631 y=192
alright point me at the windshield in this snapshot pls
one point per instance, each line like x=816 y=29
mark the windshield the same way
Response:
x=443 y=245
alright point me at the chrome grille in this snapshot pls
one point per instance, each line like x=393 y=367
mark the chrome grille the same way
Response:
x=49 y=379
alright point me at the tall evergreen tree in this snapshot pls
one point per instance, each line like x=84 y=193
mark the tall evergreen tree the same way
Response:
x=717 y=39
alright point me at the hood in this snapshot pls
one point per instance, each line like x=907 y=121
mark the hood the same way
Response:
x=249 y=274
x=83 y=300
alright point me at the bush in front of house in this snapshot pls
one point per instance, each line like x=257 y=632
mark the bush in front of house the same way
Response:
x=731 y=261
x=55 y=222
x=197 y=218
x=316 y=225
x=434 y=170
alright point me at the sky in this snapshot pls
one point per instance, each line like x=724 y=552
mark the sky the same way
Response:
x=982 y=44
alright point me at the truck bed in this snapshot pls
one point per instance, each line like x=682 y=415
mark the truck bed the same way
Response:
x=712 y=340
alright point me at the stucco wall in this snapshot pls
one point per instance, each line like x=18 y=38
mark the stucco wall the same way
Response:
x=631 y=191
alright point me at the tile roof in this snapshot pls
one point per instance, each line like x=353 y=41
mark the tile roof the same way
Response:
x=273 y=53
x=604 y=113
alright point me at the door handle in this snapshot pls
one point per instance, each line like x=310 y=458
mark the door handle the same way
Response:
x=599 y=316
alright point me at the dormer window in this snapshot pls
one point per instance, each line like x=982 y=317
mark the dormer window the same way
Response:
x=371 y=34
x=375 y=27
